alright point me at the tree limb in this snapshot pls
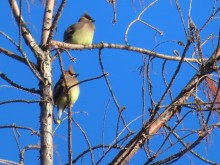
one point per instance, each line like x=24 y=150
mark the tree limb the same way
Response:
x=122 y=47
x=149 y=129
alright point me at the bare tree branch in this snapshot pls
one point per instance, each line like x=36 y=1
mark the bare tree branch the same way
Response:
x=4 y=77
x=139 y=19
x=47 y=21
x=22 y=101
x=149 y=129
x=29 y=147
x=186 y=146
x=16 y=57
x=27 y=37
x=8 y=162
x=30 y=41
x=122 y=47
x=55 y=21
x=45 y=85
x=120 y=109
x=21 y=127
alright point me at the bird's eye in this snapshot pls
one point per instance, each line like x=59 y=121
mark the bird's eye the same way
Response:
x=75 y=75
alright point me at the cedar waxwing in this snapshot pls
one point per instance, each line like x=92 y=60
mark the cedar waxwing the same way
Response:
x=81 y=32
x=59 y=92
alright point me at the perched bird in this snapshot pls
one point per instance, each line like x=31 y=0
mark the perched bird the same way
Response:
x=81 y=32
x=59 y=92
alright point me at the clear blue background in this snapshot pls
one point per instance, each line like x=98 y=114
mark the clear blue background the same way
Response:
x=124 y=75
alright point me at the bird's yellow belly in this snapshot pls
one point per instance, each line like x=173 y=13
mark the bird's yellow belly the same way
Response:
x=81 y=37
x=73 y=93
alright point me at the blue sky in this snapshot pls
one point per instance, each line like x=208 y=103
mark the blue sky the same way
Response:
x=124 y=75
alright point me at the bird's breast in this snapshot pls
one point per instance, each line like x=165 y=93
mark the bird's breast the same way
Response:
x=74 y=94
x=83 y=36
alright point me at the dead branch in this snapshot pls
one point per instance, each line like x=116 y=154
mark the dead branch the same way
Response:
x=122 y=47
x=4 y=77
x=149 y=129
x=29 y=147
x=47 y=21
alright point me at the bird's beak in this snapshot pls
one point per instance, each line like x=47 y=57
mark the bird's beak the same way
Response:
x=76 y=75
x=93 y=20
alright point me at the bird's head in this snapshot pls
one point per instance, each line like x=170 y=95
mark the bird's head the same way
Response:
x=71 y=71
x=86 y=17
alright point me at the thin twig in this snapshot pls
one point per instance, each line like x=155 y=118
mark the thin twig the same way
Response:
x=93 y=148
x=8 y=162
x=178 y=155
x=21 y=127
x=16 y=57
x=69 y=111
x=144 y=70
x=185 y=145
x=176 y=125
x=149 y=84
x=113 y=2
x=181 y=16
x=22 y=101
x=103 y=124
x=20 y=36
x=173 y=78
x=89 y=79
x=112 y=94
x=16 y=139
x=27 y=61
x=164 y=79
x=4 y=77
x=30 y=41
x=139 y=19
x=116 y=141
x=55 y=21
x=29 y=147
x=87 y=141
x=209 y=19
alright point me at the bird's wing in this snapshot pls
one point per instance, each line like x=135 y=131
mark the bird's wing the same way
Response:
x=58 y=90
x=70 y=30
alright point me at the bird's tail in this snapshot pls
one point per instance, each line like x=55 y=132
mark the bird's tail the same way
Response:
x=60 y=111
x=56 y=121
